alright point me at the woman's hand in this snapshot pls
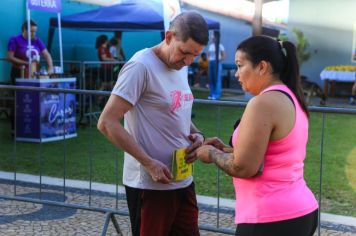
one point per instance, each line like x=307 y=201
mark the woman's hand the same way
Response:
x=205 y=152
x=216 y=142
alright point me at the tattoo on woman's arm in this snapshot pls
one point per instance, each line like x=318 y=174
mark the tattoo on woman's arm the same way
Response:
x=224 y=161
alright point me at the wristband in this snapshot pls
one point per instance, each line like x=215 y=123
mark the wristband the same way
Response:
x=200 y=134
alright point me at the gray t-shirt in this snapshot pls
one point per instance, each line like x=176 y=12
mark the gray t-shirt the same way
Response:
x=160 y=118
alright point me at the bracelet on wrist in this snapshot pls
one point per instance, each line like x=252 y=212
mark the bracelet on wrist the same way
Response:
x=200 y=134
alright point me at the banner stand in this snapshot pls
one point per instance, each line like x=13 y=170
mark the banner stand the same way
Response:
x=47 y=6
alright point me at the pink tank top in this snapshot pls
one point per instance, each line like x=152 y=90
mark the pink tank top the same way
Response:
x=280 y=193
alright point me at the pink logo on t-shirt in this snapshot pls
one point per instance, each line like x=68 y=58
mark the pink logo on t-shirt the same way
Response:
x=181 y=100
x=176 y=104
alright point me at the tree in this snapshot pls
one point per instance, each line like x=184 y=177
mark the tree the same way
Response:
x=257 y=18
x=302 y=46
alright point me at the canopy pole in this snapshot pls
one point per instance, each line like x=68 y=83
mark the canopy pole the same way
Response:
x=29 y=51
x=60 y=42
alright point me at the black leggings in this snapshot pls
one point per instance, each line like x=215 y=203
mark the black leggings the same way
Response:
x=301 y=226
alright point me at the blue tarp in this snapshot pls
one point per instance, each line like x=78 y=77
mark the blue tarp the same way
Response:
x=127 y=16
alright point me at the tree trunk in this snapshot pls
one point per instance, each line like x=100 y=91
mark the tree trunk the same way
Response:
x=257 y=18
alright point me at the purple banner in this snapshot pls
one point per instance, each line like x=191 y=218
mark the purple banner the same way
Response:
x=58 y=112
x=45 y=5
x=27 y=110
x=42 y=116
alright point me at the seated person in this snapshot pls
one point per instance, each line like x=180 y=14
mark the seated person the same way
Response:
x=203 y=65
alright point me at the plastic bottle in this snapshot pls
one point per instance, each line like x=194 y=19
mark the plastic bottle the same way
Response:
x=43 y=73
x=22 y=71
x=34 y=65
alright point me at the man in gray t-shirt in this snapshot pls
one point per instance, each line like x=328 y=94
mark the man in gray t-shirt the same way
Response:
x=153 y=96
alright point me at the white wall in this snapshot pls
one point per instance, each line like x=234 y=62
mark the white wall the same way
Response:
x=328 y=25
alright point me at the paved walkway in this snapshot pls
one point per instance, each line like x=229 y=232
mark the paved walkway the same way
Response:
x=26 y=218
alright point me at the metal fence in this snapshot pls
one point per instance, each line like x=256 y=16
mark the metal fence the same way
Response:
x=112 y=210
x=90 y=75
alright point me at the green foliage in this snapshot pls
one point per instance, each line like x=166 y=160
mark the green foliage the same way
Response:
x=302 y=46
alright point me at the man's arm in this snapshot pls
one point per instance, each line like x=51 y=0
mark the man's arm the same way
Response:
x=49 y=61
x=11 y=57
x=195 y=130
x=110 y=126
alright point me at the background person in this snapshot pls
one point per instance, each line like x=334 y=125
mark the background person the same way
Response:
x=18 y=51
x=152 y=93
x=104 y=55
x=116 y=49
x=106 y=75
x=118 y=53
x=214 y=68
x=203 y=65
x=269 y=144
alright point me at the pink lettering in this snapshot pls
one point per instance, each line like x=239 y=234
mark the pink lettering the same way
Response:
x=188 y=97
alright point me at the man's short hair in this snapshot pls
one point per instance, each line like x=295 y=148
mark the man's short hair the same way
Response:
x=24 y=25
x=190 y=24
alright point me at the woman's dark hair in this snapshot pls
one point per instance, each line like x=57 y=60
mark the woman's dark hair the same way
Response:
x=24 y=25
x=282 y=57
x=100 y=40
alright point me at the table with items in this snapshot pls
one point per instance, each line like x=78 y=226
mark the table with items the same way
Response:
x=334 y=74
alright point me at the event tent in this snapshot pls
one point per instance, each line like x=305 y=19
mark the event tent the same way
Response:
x=127 y=16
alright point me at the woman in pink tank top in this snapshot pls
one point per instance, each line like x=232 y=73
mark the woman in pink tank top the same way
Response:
x=266 y=159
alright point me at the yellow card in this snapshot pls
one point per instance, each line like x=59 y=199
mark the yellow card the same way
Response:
x=180 y=169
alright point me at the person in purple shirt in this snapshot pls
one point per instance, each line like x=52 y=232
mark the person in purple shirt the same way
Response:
x=18 y=51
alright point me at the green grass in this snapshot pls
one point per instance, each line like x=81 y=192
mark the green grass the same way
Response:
x=90 y=150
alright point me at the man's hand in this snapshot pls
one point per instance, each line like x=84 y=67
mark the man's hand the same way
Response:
x=159 y=172
x=216 y=142
x=50 y=70
x=197 y=140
